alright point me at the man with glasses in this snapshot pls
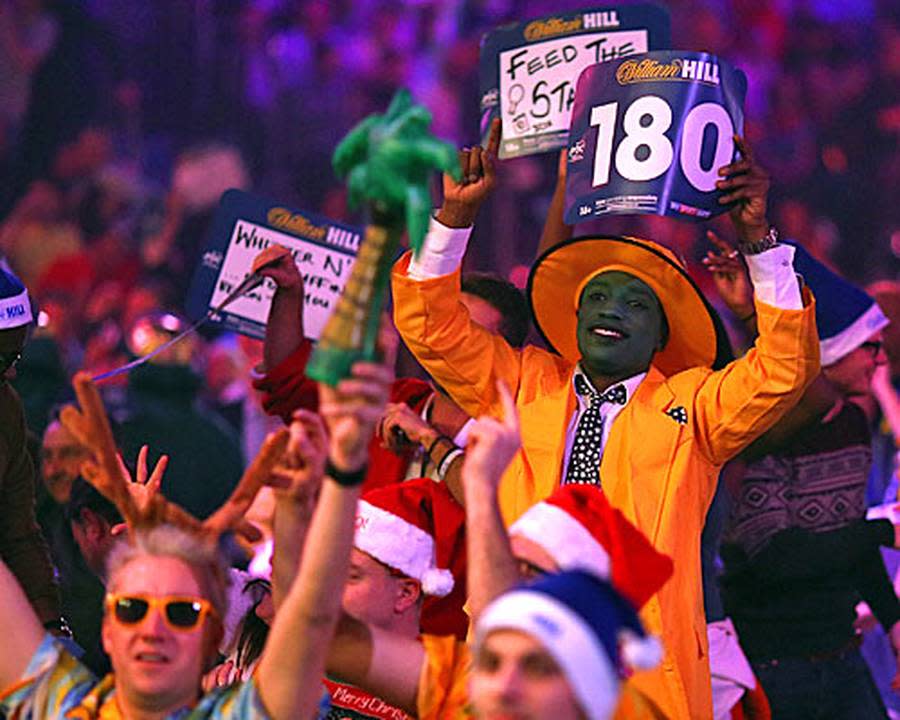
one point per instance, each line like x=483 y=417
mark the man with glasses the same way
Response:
x=797 y=549
x=21 y=546
x=167 y=597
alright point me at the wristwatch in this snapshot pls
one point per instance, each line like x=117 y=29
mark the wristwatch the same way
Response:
x=767 y=242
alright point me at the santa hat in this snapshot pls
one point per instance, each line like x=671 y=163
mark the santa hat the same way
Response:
x=15 y=307
x=580 y=530
x=401 y=526
x=592 y=632
x=846 y=316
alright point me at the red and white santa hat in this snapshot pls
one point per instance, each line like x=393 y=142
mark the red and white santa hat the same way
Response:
x=580 y=530
x=400 y=525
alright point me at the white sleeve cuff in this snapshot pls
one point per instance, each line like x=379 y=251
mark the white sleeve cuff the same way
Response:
x=442 y=252
x=773 y=277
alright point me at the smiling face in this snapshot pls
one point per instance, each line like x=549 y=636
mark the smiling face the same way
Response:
x=621 y=326
x=513 y=676
x=157 y=669
x=61 y=459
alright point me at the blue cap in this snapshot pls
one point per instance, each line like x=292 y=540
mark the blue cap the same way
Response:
x=590 y=630
x=15 y=306
x=846 y=316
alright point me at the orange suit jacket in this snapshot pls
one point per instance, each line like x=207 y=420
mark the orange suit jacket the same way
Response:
x=660 y=473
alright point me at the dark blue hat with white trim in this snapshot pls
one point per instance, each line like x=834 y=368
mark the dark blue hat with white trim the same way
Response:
x=15 y=306
x=591 y=631
x=846 y=316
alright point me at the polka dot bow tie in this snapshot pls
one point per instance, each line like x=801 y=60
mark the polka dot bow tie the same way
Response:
x=584 y=462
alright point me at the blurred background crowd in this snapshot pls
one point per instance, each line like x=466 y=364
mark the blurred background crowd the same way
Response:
x=122 y=121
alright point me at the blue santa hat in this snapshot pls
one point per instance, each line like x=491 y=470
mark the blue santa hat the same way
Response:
x=846 y=316
x=591 y=631
x=15 y=307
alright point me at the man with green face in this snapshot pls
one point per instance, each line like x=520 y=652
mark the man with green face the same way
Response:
x=621 y=326
x=628 y=400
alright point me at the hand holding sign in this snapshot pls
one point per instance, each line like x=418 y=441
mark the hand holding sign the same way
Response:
x=248 y=234
x=746 y=185
x=277 y=264
x=463 y=198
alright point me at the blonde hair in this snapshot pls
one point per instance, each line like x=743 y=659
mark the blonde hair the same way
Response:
x=172 y=541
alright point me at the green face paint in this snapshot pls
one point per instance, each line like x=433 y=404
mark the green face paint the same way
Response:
x=620 y=327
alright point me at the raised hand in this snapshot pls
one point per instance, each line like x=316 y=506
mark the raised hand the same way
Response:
x=277 y=263
x=491 y=446
x=143 y=487
x=746 y=184
x=463 y=197
x=401 y=425
x=298 y=477
x=220 y=676
x=730 y=276
x=352 y=410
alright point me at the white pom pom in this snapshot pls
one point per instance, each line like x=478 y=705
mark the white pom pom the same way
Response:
x=640 y=653
x=437 y=582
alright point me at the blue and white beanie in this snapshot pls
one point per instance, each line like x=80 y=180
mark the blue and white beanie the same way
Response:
x=846 y=316
x=15 y=305
x=591 y=631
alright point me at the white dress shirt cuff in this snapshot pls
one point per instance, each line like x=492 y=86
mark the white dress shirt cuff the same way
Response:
x=442 y=252
x=773 y=277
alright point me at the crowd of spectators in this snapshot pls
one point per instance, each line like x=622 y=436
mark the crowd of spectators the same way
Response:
x=121 y=123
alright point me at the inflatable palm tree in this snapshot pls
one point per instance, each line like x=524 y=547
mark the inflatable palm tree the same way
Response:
x=388 y=161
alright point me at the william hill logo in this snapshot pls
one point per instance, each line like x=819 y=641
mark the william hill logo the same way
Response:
x=679 y=69
x=294 y=223
x=558 y=26
x=551 y=26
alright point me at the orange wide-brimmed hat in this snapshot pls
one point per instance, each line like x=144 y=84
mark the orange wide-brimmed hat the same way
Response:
x=560 y=274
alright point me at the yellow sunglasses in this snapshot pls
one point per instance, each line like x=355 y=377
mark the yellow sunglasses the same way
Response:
x=181 y=613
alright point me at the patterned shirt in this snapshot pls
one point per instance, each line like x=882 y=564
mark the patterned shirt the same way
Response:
x=56 y=686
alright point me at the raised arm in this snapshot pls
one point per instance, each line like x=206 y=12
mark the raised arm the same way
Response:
x=737 y=404
x=391 y=666
x=464 y=358
x=491 y=566
x=20 y=628
x=284 y=327
x=297 y=482
x=733 y=284
x=555 y=229
x=293 y=662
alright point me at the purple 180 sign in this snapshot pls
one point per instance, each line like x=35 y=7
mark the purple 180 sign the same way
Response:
x=649 y=134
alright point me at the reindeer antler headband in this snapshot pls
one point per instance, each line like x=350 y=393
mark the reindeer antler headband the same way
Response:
x=91 y=426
